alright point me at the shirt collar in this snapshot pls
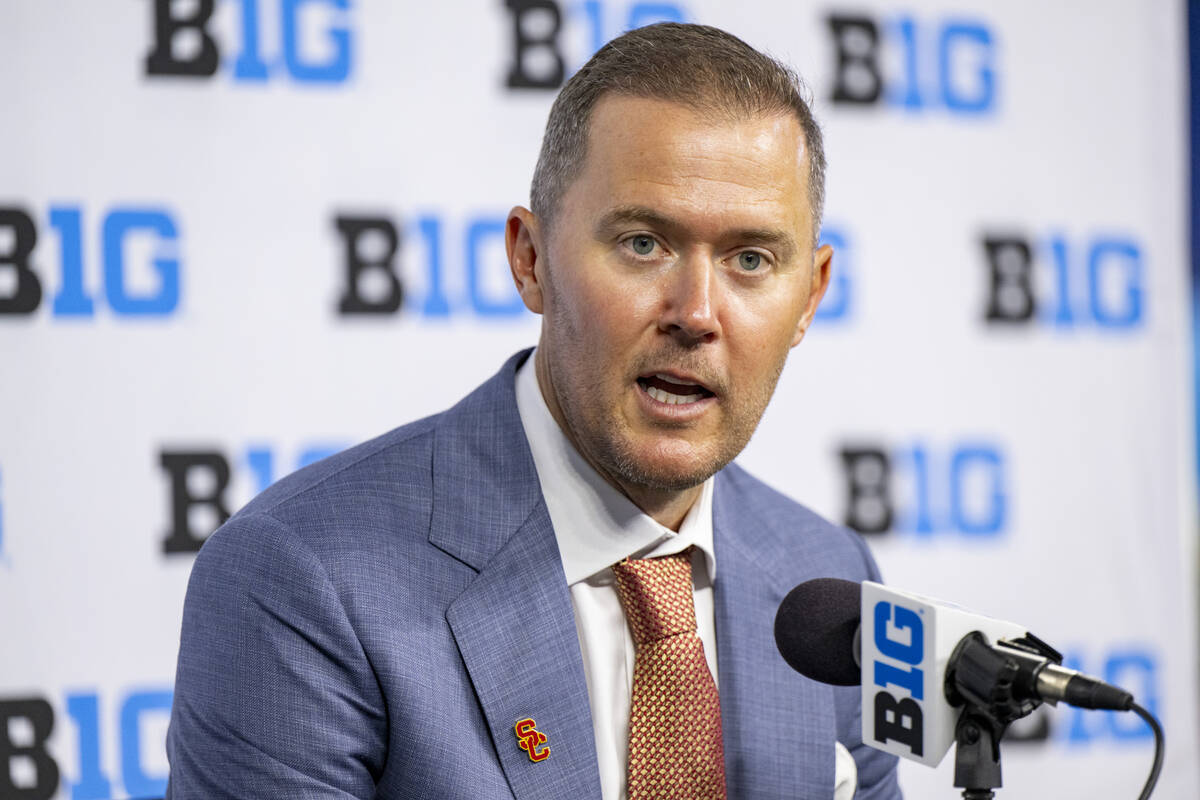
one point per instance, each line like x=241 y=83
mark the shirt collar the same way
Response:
x=595 y=525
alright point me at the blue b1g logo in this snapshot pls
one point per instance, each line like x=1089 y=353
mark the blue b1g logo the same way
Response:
x=32 y=768
x=204 y=484
x=913 y=64
x=838 y=303
x=900 y=638
x=431 y=265
x=551 y=39
x=127 y=289
x=1135 y=667
x=927 y=489
x=1066 y=282
x=326 y=24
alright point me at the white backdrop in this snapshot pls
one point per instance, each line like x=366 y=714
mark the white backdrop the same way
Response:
x=1027 y=157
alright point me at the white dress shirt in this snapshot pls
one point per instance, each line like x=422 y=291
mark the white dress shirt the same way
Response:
x=595 y=527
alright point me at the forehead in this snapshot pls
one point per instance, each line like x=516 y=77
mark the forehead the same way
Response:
x=689 y=163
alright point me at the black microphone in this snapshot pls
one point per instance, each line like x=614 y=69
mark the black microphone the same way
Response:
x=931 y=676
x=818 y=633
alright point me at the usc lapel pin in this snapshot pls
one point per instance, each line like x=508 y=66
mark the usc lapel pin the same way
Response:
x=531 y=740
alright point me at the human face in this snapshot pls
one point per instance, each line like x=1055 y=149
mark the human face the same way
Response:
x=675 y=277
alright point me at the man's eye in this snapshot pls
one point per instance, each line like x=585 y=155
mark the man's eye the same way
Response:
x=642 y=245
x=749 y=260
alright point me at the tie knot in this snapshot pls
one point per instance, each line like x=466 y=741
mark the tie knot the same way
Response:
x=656 y=595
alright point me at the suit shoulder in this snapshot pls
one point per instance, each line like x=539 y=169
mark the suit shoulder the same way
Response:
x=799 y=528
x=396 y=453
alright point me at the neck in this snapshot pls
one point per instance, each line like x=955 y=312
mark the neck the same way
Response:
x=667 y=507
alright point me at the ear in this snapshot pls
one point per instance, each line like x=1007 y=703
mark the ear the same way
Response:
x=522 y=240
x=822 y=264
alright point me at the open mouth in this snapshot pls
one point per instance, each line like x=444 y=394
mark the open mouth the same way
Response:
x=671 y=390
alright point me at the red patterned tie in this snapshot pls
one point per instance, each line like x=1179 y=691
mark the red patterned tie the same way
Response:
x=675 y=746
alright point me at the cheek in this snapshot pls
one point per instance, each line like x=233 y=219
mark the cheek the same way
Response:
x=613 y=310
x=613 y=330
x=764 y=328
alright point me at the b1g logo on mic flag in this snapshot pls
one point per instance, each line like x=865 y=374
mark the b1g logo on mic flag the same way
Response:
x=906 y=641
x=898 y=668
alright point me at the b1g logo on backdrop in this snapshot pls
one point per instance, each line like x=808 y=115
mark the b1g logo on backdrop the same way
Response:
x=838 y=303
x=1066 y=282
x=431 y=265
x=551 y=39
x=436 y=266
x=913 y=64
x=32 y=769
x=145 y=287
x=926 y=489
x=1135 y=667
x=201 y=480
x=259 y=41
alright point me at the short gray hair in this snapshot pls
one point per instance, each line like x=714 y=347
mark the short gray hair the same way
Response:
x=698 y=66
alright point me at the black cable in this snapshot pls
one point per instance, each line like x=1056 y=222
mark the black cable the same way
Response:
x=1158 y=749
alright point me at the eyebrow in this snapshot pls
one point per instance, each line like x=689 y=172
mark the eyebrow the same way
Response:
x=623 y=215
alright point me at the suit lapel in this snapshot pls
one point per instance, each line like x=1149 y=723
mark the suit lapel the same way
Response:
x=779 y=726
x=516 y=631
x=514 y=624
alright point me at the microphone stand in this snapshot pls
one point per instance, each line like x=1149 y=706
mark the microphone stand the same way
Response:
x=987 y=684
x=977 y=754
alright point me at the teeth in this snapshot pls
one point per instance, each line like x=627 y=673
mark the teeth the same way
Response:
x=669 y=398
x=673 y=379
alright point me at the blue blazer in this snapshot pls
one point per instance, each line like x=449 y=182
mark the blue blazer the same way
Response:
x=373 y=626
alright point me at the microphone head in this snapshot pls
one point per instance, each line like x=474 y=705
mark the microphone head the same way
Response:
x=815 y=630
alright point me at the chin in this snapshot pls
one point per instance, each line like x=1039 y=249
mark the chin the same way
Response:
x=683 y=468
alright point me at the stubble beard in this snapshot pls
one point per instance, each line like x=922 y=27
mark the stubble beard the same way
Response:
x=606 y=441
x=620 y=453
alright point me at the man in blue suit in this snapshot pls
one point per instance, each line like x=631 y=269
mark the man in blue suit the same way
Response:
x=432 y=614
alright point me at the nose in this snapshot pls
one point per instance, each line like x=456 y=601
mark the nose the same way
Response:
x=691 y=302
